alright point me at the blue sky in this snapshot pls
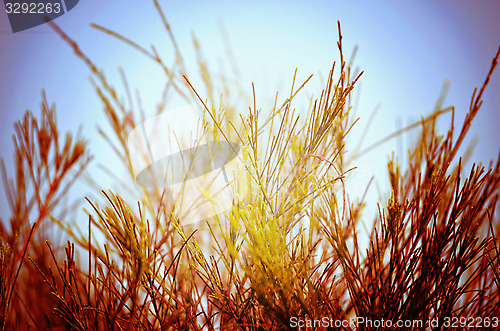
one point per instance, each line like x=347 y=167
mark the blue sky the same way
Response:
x=406 y=48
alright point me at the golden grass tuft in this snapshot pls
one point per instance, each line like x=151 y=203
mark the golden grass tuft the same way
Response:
x=289 y=249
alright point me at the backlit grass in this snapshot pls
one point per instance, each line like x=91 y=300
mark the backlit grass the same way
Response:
x=288 y=250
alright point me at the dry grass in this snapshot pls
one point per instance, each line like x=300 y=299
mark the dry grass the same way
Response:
x=289 y=249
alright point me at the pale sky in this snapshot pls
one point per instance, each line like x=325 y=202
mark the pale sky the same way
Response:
x=407 y=50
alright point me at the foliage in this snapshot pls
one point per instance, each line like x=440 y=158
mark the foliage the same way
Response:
x=288 y=249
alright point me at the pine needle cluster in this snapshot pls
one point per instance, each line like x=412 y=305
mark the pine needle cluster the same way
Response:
x=289 y=250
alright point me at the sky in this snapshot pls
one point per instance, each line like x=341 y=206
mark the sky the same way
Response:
x=407 y=50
